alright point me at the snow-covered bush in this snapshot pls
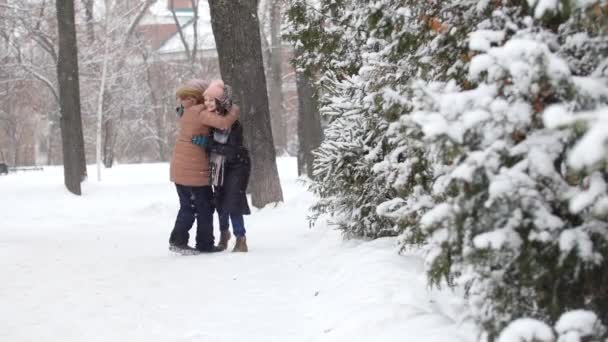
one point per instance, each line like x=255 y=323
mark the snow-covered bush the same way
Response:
x=515 y=228
x=476 y=129
x=572 y=326
x=343 y=167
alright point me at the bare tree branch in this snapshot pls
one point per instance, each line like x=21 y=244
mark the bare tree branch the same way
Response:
x=46 y=45
x=43 y=79
x=195 y=29
x=180 y=31
x=13 y=7
x=145 y=6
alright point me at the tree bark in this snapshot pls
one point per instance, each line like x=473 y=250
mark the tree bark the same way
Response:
x=277 y=112
x=69 y=97
x=237 y=37
x=310 y=132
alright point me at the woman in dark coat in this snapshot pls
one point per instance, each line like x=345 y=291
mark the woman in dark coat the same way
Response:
x=230 y=197
x=231 y=170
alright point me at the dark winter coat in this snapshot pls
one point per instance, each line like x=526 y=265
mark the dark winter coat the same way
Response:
x=231 y=196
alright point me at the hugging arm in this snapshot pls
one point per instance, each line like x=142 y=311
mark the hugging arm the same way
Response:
x=218 y=121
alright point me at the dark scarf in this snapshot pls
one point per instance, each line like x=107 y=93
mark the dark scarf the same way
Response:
x=216 y=160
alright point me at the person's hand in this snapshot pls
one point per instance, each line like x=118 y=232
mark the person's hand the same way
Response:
x=201 y=140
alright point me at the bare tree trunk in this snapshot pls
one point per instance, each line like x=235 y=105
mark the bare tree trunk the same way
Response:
x=69 y=94
x=160 y=132
x=277 y=112
x=237 y=37
x=310 y=133
x=16 y=152
x=89 y=14
x=158 y=117
x=108 y=143
x=50 y=154
x=100 y=98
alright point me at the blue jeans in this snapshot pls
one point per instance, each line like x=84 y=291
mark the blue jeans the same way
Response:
x=238 y=223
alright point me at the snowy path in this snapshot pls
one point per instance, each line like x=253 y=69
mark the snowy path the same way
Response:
x=97 y=269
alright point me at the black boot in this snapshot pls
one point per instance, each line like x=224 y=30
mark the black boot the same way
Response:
x=211 y=249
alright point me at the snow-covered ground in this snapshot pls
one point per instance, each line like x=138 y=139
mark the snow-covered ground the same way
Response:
x=97 y=268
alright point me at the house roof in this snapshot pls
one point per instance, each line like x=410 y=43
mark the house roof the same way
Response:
x=160 y=9
x=168 y=40
x=206 y=40
x=157 y=34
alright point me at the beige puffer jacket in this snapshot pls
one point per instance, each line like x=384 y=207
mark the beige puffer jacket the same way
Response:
x=189 y=162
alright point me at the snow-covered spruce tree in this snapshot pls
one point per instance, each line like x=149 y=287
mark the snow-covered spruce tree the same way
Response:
x=495 y=177
x=507 y=229
x=373 y=171
x=326 y=35
x=344 y=179
x=333 y=42
x=425 y=42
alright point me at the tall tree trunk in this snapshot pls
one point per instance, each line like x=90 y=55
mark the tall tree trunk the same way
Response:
x=310 y=132
x=237 y=37
x=101 y=96
x=74 y=162
x=90 y=18
x=16 y=149
x=159 y=117
x=277 y=112
x=50 y=152
x=108 y=142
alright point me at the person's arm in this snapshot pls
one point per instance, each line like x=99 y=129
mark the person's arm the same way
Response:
x=218 y=121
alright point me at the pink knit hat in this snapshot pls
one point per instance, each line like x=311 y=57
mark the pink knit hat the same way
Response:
x=215 y=89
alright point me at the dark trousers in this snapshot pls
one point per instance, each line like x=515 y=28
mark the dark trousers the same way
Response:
x=195 y=202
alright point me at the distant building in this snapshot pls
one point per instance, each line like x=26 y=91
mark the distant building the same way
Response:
x=159 y=30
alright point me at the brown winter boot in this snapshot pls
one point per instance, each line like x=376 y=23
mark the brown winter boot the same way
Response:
x=241 y=245
x=224 y=237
